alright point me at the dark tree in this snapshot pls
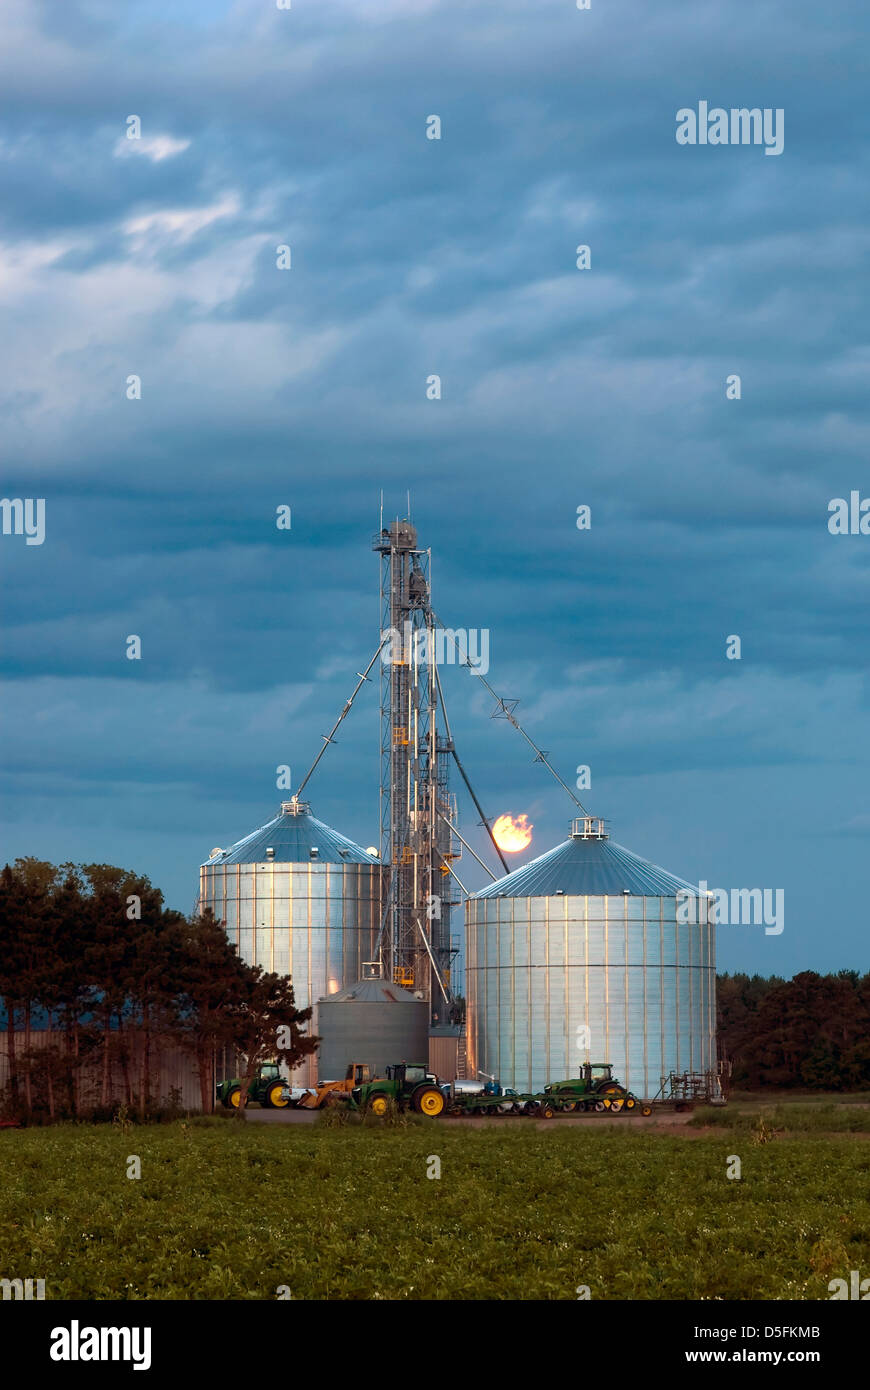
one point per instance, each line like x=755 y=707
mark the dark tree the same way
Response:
x=211 y=983
x=811 y=1031
x=267 y=1024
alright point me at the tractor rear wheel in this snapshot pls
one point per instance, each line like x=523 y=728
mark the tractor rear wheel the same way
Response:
x=428 y=1100
x=274 y=1096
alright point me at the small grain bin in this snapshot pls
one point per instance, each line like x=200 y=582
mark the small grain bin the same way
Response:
x=371 y=1021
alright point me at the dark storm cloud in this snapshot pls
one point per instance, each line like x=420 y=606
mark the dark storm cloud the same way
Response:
x=306 y=387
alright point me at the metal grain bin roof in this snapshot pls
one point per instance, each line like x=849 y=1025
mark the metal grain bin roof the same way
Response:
x=587 y=866
x=375 y=992
x=292 y=836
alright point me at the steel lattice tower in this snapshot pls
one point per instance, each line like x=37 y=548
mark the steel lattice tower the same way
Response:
x=415 y=805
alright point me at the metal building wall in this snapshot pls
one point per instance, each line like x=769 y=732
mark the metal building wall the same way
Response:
x=444 y=1053
x=170 y=1068
x=541 y=969
x=377 y=1033
x=317 y=922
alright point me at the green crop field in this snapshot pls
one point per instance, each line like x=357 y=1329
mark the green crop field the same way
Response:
x=234 y=1210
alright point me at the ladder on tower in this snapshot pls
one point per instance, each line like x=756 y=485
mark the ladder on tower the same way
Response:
x=462 y=1057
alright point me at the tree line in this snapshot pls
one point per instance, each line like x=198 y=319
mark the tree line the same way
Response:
x=811 y=1032
x=91 y=951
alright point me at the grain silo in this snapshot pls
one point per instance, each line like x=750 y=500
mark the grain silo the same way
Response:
x=374 y=1021
x=580 y=955
x=300 y=899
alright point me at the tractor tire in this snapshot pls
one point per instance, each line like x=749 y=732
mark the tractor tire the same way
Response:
x=378 y=1105
x=232 y=1099
x=646 y=1109
x=630 y=1102
x=428 y=1100
x=272 y=1097
x=546 y=1111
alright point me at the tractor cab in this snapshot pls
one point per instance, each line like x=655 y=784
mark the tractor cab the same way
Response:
x=593 y=1072
x=358 y=1072
x=269 y=1071
x=408 y=1073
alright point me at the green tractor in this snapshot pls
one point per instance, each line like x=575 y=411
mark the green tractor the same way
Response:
x=407 y=1085
x=596 y=1089
x=267 y=1087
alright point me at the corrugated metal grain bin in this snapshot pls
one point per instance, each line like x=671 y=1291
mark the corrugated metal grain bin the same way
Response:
x=580 y=955
x=300 y=899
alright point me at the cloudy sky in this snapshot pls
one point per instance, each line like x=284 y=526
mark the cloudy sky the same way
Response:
x=306 y=128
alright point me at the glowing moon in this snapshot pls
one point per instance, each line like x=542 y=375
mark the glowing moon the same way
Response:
x=512 y=834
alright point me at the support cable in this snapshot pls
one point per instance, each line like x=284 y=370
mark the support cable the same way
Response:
x=450 y=869
x=477 y=804
x=505 y=710
x=328 y=738
x=467 y=845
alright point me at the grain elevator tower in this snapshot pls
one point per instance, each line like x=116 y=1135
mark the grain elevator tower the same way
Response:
x=416 y=810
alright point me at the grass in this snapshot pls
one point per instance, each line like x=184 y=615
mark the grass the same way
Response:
x=829 y=1117
x=758 y=1099
x=234 y=1210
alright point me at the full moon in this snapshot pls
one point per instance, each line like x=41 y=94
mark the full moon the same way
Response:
x=512 y=834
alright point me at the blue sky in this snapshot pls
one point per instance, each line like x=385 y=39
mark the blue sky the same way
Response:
x=604 y=387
